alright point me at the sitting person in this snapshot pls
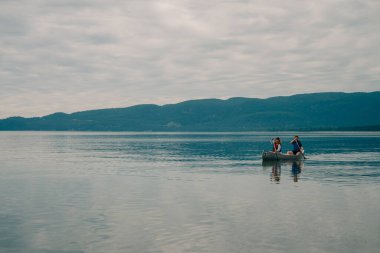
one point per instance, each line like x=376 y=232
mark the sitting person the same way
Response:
x=297 y=146
x=276 y=145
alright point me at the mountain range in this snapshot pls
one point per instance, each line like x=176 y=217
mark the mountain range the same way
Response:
x=302 y=112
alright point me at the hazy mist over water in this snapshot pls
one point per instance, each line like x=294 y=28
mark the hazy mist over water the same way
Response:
x=187 y=192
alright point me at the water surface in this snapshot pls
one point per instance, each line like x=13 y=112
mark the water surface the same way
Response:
x=187 y=192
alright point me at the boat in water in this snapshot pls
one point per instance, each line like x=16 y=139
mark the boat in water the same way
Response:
x=276 y=156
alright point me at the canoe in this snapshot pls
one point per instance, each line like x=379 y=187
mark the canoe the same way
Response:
x=271 y=156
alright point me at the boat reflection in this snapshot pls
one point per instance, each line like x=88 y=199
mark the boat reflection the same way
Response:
x=275 y=176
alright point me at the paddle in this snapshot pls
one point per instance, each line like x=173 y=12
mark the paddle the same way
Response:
x=273 y=143
x=299 y=148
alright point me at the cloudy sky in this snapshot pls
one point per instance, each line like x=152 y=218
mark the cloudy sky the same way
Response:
x=73 y=55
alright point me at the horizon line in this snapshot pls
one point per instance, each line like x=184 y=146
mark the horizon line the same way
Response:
x=188 y=100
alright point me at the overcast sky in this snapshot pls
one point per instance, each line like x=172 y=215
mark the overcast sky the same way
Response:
x=73 y=55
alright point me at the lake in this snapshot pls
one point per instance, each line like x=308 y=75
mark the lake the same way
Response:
x=67 y=192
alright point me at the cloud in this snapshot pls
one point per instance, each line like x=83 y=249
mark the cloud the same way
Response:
x=76 y=55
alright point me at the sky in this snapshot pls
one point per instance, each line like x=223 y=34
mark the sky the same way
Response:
x=75 y=55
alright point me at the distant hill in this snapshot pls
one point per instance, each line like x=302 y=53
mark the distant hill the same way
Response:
x=318 y=111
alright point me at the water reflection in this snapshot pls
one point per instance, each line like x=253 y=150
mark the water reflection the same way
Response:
x=296 y=169
x=275 y=166
x=276 y=172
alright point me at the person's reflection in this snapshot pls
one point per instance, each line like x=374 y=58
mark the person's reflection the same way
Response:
x=296 y=170
x=276 y=172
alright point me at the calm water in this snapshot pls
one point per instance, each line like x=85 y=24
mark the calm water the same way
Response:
x=133 y=192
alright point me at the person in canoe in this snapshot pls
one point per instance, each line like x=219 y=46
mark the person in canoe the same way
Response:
x=297 y=146
x=276 y=145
